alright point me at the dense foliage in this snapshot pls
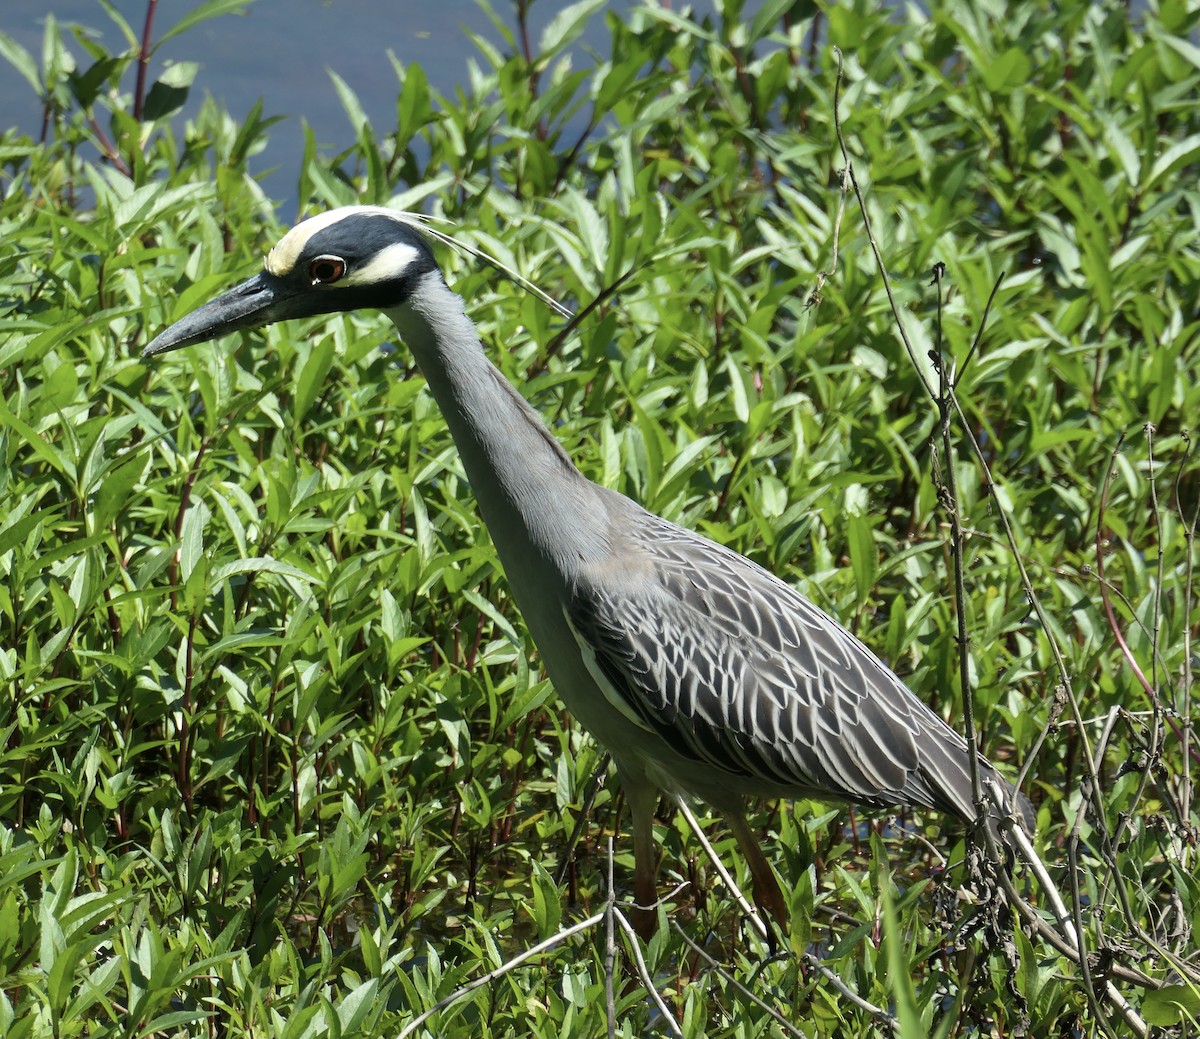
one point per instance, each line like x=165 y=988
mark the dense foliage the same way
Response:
x=278 y=758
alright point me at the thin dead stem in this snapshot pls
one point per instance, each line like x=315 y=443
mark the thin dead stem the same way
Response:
x=499 y=972
x=1109 y=613
x=647 y=981
x=713 y=965
x=1185 y=708
x=814 y=297
x=944 y=396
x=882 y=267
x=882 y=1016
x=950 y=500
x=747 y=909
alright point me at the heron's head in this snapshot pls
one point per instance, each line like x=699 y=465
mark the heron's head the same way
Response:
x=347 y=259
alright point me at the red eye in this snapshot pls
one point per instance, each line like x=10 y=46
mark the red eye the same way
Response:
x=325 y=270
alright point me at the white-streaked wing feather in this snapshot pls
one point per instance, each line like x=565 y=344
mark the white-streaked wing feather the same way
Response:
x=734 y=669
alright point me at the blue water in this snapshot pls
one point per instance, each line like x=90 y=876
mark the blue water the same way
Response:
x=280 y=51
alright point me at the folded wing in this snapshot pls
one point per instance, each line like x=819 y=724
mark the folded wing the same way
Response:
x=735 y=670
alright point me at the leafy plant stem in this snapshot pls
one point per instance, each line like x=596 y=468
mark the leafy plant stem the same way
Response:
x=139 y=93
x=185 y=716
x=610 y=946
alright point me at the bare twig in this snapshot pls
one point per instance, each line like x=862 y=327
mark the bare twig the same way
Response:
x=814 y=297
x=644 y=974
x=1035 y=602
x=1109 y=613
x=1078 y=928
x=949 y=502
x=882 y=1016
x=500 y=971
x=1074 y=950
x=715 y=859
x=887 y=282
x=1189 y=536
x=1072 y=945
x=713 y=965
x=959 y=374
x=1149 y=430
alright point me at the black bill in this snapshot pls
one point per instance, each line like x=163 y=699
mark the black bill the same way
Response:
x=262 y=300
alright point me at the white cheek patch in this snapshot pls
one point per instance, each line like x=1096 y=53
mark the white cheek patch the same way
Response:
x=385 y=265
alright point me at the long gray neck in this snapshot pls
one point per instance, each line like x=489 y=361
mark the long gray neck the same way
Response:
x=538 y=506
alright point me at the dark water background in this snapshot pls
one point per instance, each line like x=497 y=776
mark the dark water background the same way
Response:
x=280 y=50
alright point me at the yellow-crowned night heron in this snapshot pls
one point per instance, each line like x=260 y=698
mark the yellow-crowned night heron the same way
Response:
x=701 y=672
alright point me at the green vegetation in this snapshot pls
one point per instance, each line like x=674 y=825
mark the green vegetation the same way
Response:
x=277 y=757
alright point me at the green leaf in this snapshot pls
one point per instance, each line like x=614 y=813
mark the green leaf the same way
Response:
x=350 y=103
x=21 y=60
x=1171 y=1005
x=1181 y=153
x=32 y=439
x=191 y=545
x=170 y=93
x=311 y=381
x=566 y=27
x=414 y=108
x=1007 y=72
x=87 y=86
x=1184 y=47
x=206 y=11
x=1123 y=150
x=899 y=975
x=864 y=557
x=352 y=1011
x=258 y=565
x=771 y=14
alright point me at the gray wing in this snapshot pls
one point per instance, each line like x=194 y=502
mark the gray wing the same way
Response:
x=735 y=670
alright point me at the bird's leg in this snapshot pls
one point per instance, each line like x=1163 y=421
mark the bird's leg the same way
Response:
x=643 y=800
x=767 y=894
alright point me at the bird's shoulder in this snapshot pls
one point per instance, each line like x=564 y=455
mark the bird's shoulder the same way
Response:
x=658 y=569
x=684 y=611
